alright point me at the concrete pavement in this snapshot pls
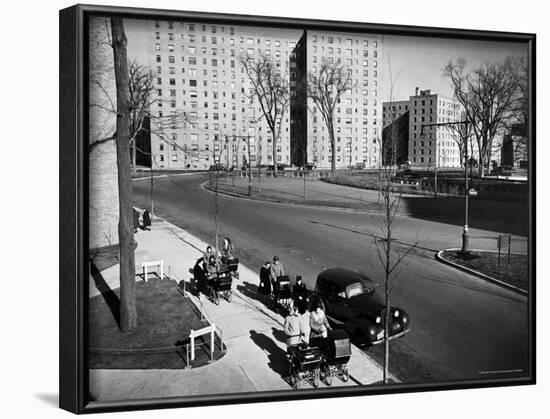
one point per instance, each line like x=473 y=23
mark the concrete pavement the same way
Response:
x=253 y=334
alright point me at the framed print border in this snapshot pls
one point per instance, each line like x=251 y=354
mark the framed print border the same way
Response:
x=73 y=206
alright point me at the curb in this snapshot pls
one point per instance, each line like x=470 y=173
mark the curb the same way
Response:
x=476 y=273
x=275 y=201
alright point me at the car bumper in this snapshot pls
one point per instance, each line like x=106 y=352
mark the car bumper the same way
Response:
x=378 y=341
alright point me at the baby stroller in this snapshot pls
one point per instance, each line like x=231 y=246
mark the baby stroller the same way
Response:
x=336 y=349
x=282 y=295
x=232 y=264
x=219 y=284
x=304 y=365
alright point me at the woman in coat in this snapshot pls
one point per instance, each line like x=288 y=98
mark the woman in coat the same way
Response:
x=265 y=283
x=318 y=323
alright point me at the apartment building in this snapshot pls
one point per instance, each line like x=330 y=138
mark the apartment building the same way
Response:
x=433 y=146
x=427 y=146
x=358 y=115
x=201 y=87
x=395 y=132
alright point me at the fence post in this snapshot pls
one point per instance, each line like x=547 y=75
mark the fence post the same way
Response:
x=188 y=364
x=509 y=247
x=212 y=343
x=498 y=260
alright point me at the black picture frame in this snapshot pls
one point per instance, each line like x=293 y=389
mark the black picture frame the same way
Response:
x=73 y=205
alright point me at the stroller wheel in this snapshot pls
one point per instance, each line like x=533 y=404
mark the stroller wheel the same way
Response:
x=327 y=372
x=345 y=374
x=316 y=377
x=291 y=376
x=229 y=296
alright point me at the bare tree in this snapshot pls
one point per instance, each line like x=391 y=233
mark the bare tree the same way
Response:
x=272 y=92
x=489 y=95
x=128 y=312
x=140 y=88
x=325 y=88
x=390 y=255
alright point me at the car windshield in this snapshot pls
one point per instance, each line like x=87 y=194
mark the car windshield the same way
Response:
x=359 y=288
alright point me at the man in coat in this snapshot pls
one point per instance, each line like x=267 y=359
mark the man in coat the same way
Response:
x=299 y=295
x=276 y=269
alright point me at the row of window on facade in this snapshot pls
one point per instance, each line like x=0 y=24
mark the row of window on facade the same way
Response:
x=215 y=40
x=192 y=50
x=347 y=41
x=191 y=27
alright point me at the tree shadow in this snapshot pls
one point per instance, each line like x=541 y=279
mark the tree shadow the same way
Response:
x=110 y=297
x=278 y=361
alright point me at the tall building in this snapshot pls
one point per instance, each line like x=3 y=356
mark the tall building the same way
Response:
x=103 y=179
x=514 y=150
x=357 y=115
x=433 y=146
x=395 y=132
x=198 y=74
x=427 y=146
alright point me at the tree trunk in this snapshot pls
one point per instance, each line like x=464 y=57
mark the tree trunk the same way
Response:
x=274 y=152
x=333 y=145
x=128 y=312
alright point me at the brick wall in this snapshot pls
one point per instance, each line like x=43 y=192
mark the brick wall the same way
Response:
x=102 y=125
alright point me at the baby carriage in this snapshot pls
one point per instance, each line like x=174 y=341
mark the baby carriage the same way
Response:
x=304 y=365
x=336 y=349
x=219 y=284
x=282 y=294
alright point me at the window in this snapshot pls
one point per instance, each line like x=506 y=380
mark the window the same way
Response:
x=158 y=58
x=171 y=59
x=157 y=47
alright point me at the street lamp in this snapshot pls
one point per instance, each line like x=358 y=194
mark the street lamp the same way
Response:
x=457 y=125
x=247 y=141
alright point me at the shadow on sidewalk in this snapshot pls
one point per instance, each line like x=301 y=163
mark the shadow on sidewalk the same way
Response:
x=251 y=291
x=277 y=357
x=110 y=297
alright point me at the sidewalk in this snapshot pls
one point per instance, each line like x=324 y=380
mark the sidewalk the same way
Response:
x=254 y=337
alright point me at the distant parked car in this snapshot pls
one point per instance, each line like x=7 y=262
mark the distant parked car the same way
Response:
x=350 y=299
x=280 y=166
x=218 y=167
x=360 y=165
x=311 y=166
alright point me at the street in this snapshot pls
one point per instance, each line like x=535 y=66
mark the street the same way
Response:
x=462 y=327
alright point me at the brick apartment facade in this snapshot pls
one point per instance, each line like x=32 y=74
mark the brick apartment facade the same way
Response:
x=197 y=71
x=103 y=187
x=358 y=115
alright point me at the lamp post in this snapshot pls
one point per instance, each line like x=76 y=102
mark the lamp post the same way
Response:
x=456 y=125
x=247 y=140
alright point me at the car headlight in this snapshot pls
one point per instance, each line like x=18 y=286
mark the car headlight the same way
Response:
x=396 y=313
x=378 y=320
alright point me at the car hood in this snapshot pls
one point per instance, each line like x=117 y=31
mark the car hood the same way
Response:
x=367 y=305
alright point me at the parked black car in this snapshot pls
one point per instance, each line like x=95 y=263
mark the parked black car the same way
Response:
x=218 y=167
x=350 y=299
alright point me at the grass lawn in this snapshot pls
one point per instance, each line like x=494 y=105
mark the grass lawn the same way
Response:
x=513 y=273
x=165 y=318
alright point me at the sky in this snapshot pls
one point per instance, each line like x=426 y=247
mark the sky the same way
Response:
x=418 y=62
